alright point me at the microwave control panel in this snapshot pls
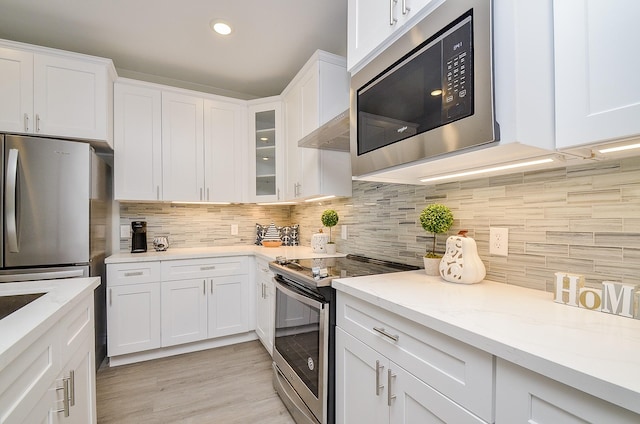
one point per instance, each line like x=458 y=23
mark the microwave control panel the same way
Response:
x=457 y=73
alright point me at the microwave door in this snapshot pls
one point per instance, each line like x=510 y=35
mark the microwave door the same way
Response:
x=46 y=202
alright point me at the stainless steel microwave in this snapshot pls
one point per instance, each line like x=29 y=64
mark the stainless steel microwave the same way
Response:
x=428 y=94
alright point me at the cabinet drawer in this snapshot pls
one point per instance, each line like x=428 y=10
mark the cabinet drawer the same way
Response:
x=133 y=273
x=459 y=371
x=76 y=326
x=204 y=268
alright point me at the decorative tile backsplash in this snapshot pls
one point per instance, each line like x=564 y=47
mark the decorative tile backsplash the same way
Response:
x=583 y=219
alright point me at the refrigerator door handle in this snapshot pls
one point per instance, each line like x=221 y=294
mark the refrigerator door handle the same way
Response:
x=10 y=200
x=35 y=276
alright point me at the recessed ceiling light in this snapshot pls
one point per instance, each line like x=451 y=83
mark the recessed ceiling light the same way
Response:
x=220 y=27
x=264 y=139
x=436 y=92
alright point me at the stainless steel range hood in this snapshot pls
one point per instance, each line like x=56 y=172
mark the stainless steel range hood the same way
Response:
x=334 y=135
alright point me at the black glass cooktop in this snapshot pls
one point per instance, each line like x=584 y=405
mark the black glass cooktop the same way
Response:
x=323 y=270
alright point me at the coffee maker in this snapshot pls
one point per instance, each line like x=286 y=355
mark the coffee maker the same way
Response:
x=138 y=236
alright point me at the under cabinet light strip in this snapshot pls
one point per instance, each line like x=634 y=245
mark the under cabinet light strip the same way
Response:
x=620 y=148
x=317 y=199
x=487 y=170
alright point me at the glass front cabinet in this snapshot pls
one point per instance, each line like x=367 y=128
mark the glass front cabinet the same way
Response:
x=267 y=160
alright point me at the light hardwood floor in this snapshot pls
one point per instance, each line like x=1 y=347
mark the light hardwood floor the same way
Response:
x=227 y=385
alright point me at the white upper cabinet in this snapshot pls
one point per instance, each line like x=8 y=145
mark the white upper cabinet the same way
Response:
x=225 y=145
x=55 y=93
x=318 y=93
x=266 y=157
x=182 y=147
x=137 y=141
x=596 y=66
x=374 y=24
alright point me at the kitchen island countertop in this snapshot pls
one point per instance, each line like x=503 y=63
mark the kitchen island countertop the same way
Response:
x=24 y=326
x=269 y=253
x=595 y=352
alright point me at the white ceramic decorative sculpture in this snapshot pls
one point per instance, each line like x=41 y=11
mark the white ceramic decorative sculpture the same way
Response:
x=461 y=263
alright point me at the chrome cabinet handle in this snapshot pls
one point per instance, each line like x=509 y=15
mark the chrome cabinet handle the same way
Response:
x=66 y=401
x=26 y=122
x=133 y=273
x=390 y=397
x=384 y=332
x=211 y=286
x=392 y=20
x=379 y=386
x=37 y=122
x=207 y=268
x=208 y=194
x=72 y=388
x=405 y=9
x=11 y=219
x=200 y=193
x=204 y=288
x=157 y=192
x=110 y=297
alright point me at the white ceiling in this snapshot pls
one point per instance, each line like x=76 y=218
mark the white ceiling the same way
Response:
x=169 y=41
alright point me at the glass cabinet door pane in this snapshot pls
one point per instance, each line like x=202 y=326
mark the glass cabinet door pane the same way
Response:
x=266 y=153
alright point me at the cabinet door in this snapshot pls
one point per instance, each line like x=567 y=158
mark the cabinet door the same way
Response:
x=370 y=23
x=137 y=143
x=293 y=133
x=523 y=397
x=184 y=311
x=83 y=387
x=182 y=148
x=228 y=305
x=266 y=165
x=133 y=318
x=265 y=306
x=414 y=401
x=597 y=89
x=70 y=97
x=361 y=383
x=225 y=140
x=16 y=86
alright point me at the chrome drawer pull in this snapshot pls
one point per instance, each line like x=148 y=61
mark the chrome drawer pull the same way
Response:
x=384 y=333
x=207 y=268
x=133 y=273
x=66 y=401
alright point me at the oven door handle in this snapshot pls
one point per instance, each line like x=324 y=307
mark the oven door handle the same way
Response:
x=298 y=296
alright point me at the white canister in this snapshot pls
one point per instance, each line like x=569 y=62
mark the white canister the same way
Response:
x=319 y=242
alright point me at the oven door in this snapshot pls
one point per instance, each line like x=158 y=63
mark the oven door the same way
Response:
x=301 y=343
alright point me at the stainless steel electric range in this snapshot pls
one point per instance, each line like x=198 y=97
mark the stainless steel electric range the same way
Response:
x=304 y=353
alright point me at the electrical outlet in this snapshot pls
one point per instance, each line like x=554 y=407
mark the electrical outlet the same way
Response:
x=124 y=231
x=499 y=241
x=343 y=232
x=234 y=229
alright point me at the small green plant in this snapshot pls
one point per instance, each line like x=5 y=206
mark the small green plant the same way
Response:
x=329 y=219
x=436 y=219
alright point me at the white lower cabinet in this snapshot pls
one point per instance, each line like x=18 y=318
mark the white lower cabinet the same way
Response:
x=158 y=304
x=523 y=396
x=373 y=389
x=392 y=370
x=53 y=380
x=265 y=304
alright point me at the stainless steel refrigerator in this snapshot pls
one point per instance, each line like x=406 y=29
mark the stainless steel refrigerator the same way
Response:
x=56 y=196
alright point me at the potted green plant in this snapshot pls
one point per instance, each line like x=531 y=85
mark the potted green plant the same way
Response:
x=330 y=219
x=436 y=219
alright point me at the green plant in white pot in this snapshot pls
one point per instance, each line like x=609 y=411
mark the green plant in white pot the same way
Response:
x=435 y=219
x=330 y=219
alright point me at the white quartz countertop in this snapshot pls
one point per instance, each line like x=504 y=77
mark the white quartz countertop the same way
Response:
x=21 y=328
x=592 y=351
x=269 y=253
